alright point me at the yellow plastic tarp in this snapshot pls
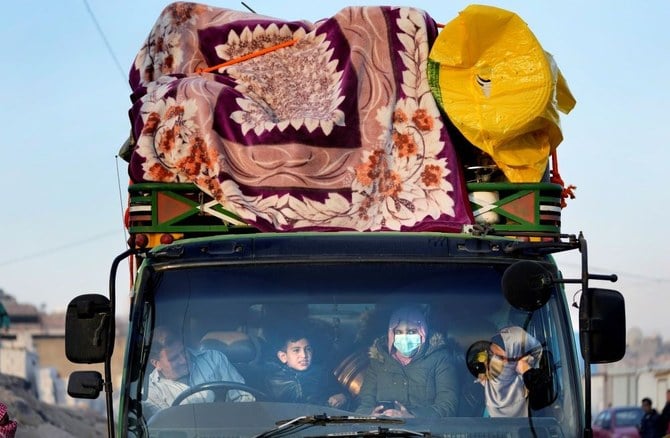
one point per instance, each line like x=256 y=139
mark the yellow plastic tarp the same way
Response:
x=500 y=89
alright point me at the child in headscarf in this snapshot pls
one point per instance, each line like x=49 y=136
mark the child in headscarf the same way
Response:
x=513 y=353
x=411 y=372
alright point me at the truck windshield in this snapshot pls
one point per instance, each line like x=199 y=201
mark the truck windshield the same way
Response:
x=232 y=350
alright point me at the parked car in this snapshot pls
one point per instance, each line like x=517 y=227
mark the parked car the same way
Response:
x=618 y=422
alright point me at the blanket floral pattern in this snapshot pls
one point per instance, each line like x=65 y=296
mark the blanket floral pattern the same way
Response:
x=338 y=130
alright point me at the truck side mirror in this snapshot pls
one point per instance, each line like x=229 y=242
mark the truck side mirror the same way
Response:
x=605 y=329
x=84 y=384
x=87 y=328
x=527 y=285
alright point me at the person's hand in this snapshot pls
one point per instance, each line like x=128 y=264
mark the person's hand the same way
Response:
x=377 y=411
x=399 y=411
x=523 y=365
x=337 y=400
x=404 y=412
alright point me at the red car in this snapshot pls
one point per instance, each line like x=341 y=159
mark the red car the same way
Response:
x=618 y=422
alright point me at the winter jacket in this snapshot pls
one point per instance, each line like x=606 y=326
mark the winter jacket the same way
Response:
x=650 y=425
x=314 y=385
x=665 y=418
x=427 y=386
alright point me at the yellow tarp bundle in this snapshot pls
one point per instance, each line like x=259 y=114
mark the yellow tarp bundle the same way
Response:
x=500 y=89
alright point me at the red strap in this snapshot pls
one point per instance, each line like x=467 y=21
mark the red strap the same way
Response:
x=247 y=56
x=556 y=179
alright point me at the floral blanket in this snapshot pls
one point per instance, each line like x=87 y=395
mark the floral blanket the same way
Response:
x=335 y=130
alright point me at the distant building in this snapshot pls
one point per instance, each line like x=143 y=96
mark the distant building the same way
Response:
x=17 y=353
x=18 y=358
x=33 y=348
x=23 y=317
x=50 y=387
x=644 y=371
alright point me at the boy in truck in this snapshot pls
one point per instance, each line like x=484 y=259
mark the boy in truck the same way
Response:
x=296 y=378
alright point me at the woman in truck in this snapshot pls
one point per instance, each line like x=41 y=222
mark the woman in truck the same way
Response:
x=411 y=372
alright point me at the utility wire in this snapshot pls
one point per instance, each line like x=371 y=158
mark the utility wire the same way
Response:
x=118 y=182
x=123 y=77
x=50 y=251
x=104 y=39
x=247 y=6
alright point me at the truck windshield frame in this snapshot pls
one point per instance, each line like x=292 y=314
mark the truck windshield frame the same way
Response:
x=346 y=303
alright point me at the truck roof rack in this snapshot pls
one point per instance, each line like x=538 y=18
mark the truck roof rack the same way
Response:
x=528 y=211
x=160 y=213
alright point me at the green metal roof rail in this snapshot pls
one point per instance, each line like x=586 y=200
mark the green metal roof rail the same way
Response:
x=521 y=207
x=177 y=208
x=533 y=208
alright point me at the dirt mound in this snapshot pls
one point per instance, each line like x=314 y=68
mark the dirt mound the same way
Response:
x=38 y=419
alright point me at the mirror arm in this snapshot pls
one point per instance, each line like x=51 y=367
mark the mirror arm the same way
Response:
x=111 y=337
x=607 y=277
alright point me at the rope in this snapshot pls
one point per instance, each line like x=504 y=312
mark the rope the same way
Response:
x=247 y=56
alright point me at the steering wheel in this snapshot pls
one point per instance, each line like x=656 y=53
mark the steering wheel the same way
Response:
x=218 y=387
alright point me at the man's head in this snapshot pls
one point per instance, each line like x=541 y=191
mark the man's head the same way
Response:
x=296 y=353
x=167 y=354
x=646 y=404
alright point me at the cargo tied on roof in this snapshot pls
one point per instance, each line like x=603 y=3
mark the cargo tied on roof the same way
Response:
x=251 y=123
x=294 y=126
x=501 y=89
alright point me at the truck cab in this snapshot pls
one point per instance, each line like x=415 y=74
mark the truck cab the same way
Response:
x=235 y=292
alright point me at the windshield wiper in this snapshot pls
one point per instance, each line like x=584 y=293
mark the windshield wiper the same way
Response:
x=380 y=432
x=287 y=427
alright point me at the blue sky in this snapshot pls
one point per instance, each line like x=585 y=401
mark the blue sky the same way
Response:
x=64 y=116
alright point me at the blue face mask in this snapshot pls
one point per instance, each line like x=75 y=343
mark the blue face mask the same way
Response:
x=407 y=345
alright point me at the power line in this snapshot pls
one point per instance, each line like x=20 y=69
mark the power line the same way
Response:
x=104 y=39
x=247 y=6
x=118 y=183
x=50 y=251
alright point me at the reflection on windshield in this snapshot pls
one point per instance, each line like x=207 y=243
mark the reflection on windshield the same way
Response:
x=340 y=339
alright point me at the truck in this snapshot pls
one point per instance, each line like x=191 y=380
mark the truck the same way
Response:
x=228 y=262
